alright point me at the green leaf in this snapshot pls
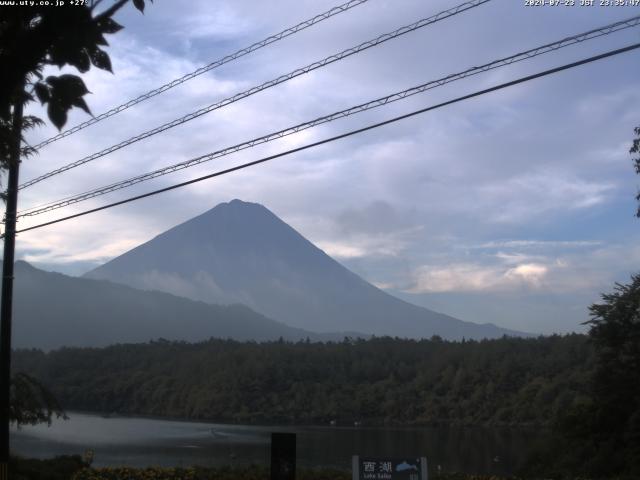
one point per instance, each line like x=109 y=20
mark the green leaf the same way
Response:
x=69 y=86
x=100 y=40
x=108 y=25
x=31 y=121
x=81 y=61
x=57 y=114
x=42 y=92
x=56 y=56
x=65 y=92
x=101 y=60
x=80 y=103
x=52 y=80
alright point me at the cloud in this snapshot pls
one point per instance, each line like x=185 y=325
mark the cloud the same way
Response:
x=570 y=273
x=203 y=22
x=376 y=217
x=456 y=277
x=377 y=229
x=38 y=250
x=529 y=273
x=527 y=196
x=473 y=277
x=535 y=244
x=369 y=245
x=383 y=285
x=516 y=258
x=338 y=250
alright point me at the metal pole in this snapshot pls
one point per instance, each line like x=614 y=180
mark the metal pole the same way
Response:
x=283 y=456
x=7 y=286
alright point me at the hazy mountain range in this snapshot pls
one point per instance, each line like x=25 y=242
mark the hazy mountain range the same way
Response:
x=241 y=252
x=53 y=310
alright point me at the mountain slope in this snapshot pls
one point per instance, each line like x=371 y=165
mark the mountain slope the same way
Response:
x=240 y=252
x=53 y=310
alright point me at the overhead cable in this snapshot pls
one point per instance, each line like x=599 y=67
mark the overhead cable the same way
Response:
x=271 y=83
x=215 y=64
x=550 y=47
x=341 y=136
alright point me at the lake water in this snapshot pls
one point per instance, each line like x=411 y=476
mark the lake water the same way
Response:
x=144 y=442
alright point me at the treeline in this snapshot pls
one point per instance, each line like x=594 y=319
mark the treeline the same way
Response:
x=508 y=381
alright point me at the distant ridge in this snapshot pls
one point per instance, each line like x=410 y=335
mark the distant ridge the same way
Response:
x=241 y=252
x=52 y=310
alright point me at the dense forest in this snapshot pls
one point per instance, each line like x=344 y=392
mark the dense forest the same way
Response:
x=509 y=381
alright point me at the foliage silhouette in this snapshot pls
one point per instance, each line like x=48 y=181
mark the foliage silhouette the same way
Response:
x=635 y=149
x=33 y=38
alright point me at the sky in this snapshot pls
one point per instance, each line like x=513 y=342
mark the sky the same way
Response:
x=516 y=207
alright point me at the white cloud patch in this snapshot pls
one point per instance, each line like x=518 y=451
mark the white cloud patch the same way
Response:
x=369 y=245
x=98 y=255
x=384 y=285
x=471 y=277
x=456 y=277
x=530 y=273
x=338 y=250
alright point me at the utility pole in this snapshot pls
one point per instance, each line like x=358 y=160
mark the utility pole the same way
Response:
x=6 y=305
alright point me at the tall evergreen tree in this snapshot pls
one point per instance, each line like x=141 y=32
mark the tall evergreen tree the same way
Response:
x=615 y=332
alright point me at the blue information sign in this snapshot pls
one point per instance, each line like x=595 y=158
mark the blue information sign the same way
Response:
x=379 y=468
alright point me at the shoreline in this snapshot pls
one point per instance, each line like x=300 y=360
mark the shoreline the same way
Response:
x=363 y=425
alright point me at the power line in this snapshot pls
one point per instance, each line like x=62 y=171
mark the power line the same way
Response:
x=341 y=136
x=271 y=83
x=565 y=42
x=217 y=63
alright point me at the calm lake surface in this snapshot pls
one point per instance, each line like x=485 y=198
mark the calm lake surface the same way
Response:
x=143 y=442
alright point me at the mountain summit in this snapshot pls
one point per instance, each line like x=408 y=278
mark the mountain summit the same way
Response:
x=241 y=252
